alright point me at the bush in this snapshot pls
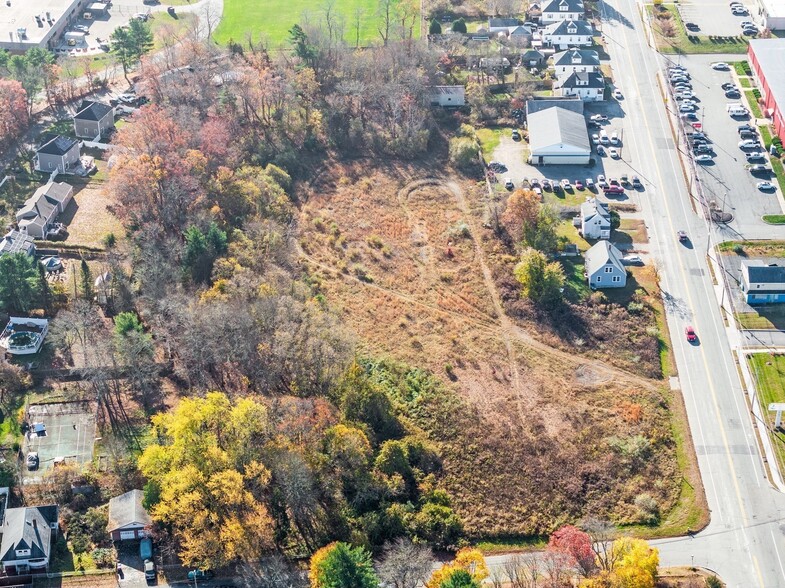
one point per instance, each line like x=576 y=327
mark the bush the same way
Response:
x=103 y=557
x=713 y=582
x=459 y=26
x=648 y=507
x=464 y=152
x=435 y=28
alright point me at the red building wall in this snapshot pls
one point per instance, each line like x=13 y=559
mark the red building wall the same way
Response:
x=770 y=104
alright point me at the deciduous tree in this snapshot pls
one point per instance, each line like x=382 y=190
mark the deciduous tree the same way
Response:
x=575 y=543
x=340 y=565
x=541 y=281
x=405 y=564
x=13 y=111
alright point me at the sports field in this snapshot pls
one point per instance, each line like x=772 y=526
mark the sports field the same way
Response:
x=272 y=19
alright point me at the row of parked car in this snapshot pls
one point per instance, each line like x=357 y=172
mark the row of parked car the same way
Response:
x=748 y=27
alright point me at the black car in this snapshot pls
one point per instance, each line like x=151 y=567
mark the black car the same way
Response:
x=699 y=136
x=748 y=135
x=691 y=26
x=728 y=86
x=750 y=32
x=743 y=128
x=733 y=94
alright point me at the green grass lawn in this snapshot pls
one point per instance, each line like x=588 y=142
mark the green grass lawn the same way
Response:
x=753 y=102
x=272 y=19
x=742 y=68
x=489 y=140
x=764 y=317
x=774 y=219
x=776 y=166
x=166 y=25
x=745 y=82
x=684 y=42
x=769 y=373
x=765 y=134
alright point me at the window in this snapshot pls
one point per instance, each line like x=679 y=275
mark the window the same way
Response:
x=22 y=552
x=608 y=270
x=616 y=279
x=598 y=279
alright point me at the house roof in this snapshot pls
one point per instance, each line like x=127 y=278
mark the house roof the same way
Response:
x=573 y=103
x=592 y=208
x=558 y=126
x=584 y=79
x=448 y=90
x=95 y=111
x=502 y=23
x=16 y=242
x=127 y=509
x=557 y=5
x=27 y=528
x=577 y=57
x=519 y=30
x=44 y=201
x=768 y=54
x=533 y=54
x=57 y=145
x=759 y=272
x=560 y=28
x=603 y=253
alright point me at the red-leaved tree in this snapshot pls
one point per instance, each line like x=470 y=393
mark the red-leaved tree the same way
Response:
x=576 y=544
x=13 y=111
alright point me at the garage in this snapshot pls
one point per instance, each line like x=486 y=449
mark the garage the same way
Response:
x=124 y=535
x=558 y=136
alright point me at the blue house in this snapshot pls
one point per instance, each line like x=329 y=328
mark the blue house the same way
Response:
x=763 y=283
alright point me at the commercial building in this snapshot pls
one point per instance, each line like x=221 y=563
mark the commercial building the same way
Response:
x=558 y=136
x=771 y=14
x=36 y=23
x=768 y=67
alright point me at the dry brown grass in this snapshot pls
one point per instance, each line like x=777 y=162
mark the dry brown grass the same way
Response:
x=89 y=218
x=530 y=446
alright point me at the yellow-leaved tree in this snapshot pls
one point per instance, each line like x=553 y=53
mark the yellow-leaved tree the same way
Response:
x=467 y=560
x=206 y=481
x=634 y=566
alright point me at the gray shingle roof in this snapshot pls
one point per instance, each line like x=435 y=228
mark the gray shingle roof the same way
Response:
x=556 y=5
x=44 y=200
x=769 y=53
x=567 y=102
x=16 y=242
x=577 y=57
x=94 y=111
x=561 y=28
x=584 y=79
x=556 y=125
x=760 y=273
x=592 y=207
x=57 y=145
x=127 y=509
x=494 y=23
x=28 y=528
x=603 y=253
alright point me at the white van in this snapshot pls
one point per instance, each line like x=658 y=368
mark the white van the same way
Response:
x=737 y=110
x=733 y=106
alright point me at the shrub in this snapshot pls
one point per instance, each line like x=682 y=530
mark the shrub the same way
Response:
x=435 y=28
x=738 y=249
x=713 y=582
x=648 y=507
x=459 y=26
x=464 y=152
x=374 y=241
x=103 y=557
x=635 y=307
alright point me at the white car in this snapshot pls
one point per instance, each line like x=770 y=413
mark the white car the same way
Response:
x=595 y=138
x=748 y=144
x=739 y=11
x=127 y=98
x=720 y=65
x=765 y=186
x=703 y=158
x=601 y=182
x=614 y=138
x=686 y=108
x=613 y=152
x=589 y=184
x=617 y=94
x=685 y=95
x=565 y=183
x=747 y=23
x=124 y=109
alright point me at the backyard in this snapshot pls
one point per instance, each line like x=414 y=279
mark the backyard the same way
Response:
x=271 y=20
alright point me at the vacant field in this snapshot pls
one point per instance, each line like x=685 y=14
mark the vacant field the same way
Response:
x=536 y=435
x=769 y=373
x=88 y=216
x=272 y=19
x=166 y=26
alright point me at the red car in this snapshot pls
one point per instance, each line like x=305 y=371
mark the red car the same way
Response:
x=691 y=336
x=613 y=190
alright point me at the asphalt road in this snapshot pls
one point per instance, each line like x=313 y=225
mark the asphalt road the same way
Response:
x=744 y=542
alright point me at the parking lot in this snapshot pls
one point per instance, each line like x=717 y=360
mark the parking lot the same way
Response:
x=715 y=18
x=726 y=180
x=68 y=435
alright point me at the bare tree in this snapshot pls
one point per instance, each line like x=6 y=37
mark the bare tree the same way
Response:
x=273 y=572
x=523 y=572
x=602 y=534
x=386 y=12
x=358 y=17
x=404 y=564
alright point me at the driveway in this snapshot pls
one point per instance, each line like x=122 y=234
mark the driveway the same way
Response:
x=713 y=18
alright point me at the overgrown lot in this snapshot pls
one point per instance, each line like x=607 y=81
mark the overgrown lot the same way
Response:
x=532 y=435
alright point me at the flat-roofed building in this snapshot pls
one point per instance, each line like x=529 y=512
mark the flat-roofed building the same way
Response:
x=36 y=23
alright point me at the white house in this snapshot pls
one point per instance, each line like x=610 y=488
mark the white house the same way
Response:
x=575 y=60
x=28 y=534
x=588 y=86
x=568 y=33
x=502 y=25
x=42 y=208
x=762 y=283
x=448 y=95
x=595 y=220
x=604 y=267
x=558 y=10
x=558 y=136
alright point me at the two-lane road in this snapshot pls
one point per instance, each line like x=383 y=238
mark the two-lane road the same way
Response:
x=744 y=542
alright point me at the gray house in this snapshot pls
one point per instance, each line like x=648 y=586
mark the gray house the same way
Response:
x=42 y=208
x=589 y=86
x=604 y=268
x=595 y=220
x=128 y=519
x=16 y=242
x=28 y=534
x=57 y=153
x=93 y=119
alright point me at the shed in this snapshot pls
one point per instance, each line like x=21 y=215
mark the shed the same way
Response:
x=448 y=95
x=128 y=518
x=558 y=136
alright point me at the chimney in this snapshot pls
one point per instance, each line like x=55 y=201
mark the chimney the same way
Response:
x=35 y=523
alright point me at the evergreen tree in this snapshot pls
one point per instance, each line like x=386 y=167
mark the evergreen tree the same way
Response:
x=86 y=281
x=435 y=28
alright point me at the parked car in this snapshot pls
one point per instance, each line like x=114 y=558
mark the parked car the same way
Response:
x=589 y=184
x=614 y=138
x=636 y=182
x=149 y=570
x=699 y=135
x=765 y=186
x=32 y=461
x=703 y=148
x=508 y=183
x=690 y=333
x=599 y=118
x=600 y=150
x=735 y=94
x=703 y=158
x=579 y=184
x=728 y=86
x=127 y=98
x=632 y=260
x=689 y=116
x=82 y=29
x=124 y=109
x=749 y=135
x=617 y=94
x=611 y=190
x=497 y=166
x=146 y=548
x=750 y=32
x=601 y=182
x=747 y=23
x=686 y=108
x=546 y=185
x=739 y=11
x=748 y=144
x=595 y=138
x=565 y=183
x=691 y=26
x=755 y=155
x=200 y=575
x=516 y=135
x=720 y=66
x=613 y=152
x=758 y=168
x=534 y=182
x=746 y=128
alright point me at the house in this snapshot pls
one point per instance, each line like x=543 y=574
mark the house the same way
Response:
x=768 y=68
x=604 y=268
x=448 y=95
x=17 y=242
x=568 y=33
x=762 y=283
x=533 y=58
x=28 y=536
x=128 y=519
x=588 y=86
x=494 y=62
x=502 y=25
x=595 y=220
x=575 y=60
x=559 y=10
x=558 y=136
x=57 y=153
x=93 y=120
x=40 y=211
